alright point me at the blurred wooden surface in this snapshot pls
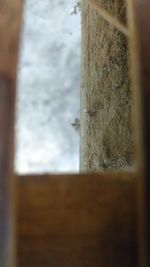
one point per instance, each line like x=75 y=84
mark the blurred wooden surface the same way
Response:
x=85 y=220
x=77 y=220
x=142 y=10
x=139 y=24
x=10 y=19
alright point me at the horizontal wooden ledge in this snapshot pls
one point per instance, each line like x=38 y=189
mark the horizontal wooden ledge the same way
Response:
x=77 y=220
x=105 y=177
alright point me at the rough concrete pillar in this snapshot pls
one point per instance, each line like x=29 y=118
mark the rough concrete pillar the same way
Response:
x=106 y=130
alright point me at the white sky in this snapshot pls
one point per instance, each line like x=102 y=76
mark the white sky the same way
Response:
x=48 y=88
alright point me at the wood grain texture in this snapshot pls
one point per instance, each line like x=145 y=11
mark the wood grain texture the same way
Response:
x=139 y=24
x=84 y=220
x=10 y=18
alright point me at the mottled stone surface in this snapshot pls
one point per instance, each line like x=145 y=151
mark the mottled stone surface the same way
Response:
x=106 y=101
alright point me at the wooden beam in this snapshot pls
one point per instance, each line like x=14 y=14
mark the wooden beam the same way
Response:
x=77 y=220
x=10 y=16
x=139 y=25
x=109 y=18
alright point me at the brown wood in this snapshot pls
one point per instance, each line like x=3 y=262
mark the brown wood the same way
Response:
x=10 y=13
x=86 y=220
x=77 y=220
x=139 y=23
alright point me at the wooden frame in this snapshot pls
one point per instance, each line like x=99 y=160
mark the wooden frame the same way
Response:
x=77 y=220
x=10 y=21
x=92 y=216
x=139 y=13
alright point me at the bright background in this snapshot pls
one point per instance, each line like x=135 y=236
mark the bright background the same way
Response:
x=48 y=88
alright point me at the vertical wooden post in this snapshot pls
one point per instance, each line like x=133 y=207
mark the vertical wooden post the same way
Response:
x=139 y=24
x=10 y=19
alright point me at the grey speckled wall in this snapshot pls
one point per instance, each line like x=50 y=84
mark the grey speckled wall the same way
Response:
x=48 y=88
x=106 y=97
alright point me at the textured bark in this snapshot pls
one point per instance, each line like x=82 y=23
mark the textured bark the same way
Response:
x=106 y=130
